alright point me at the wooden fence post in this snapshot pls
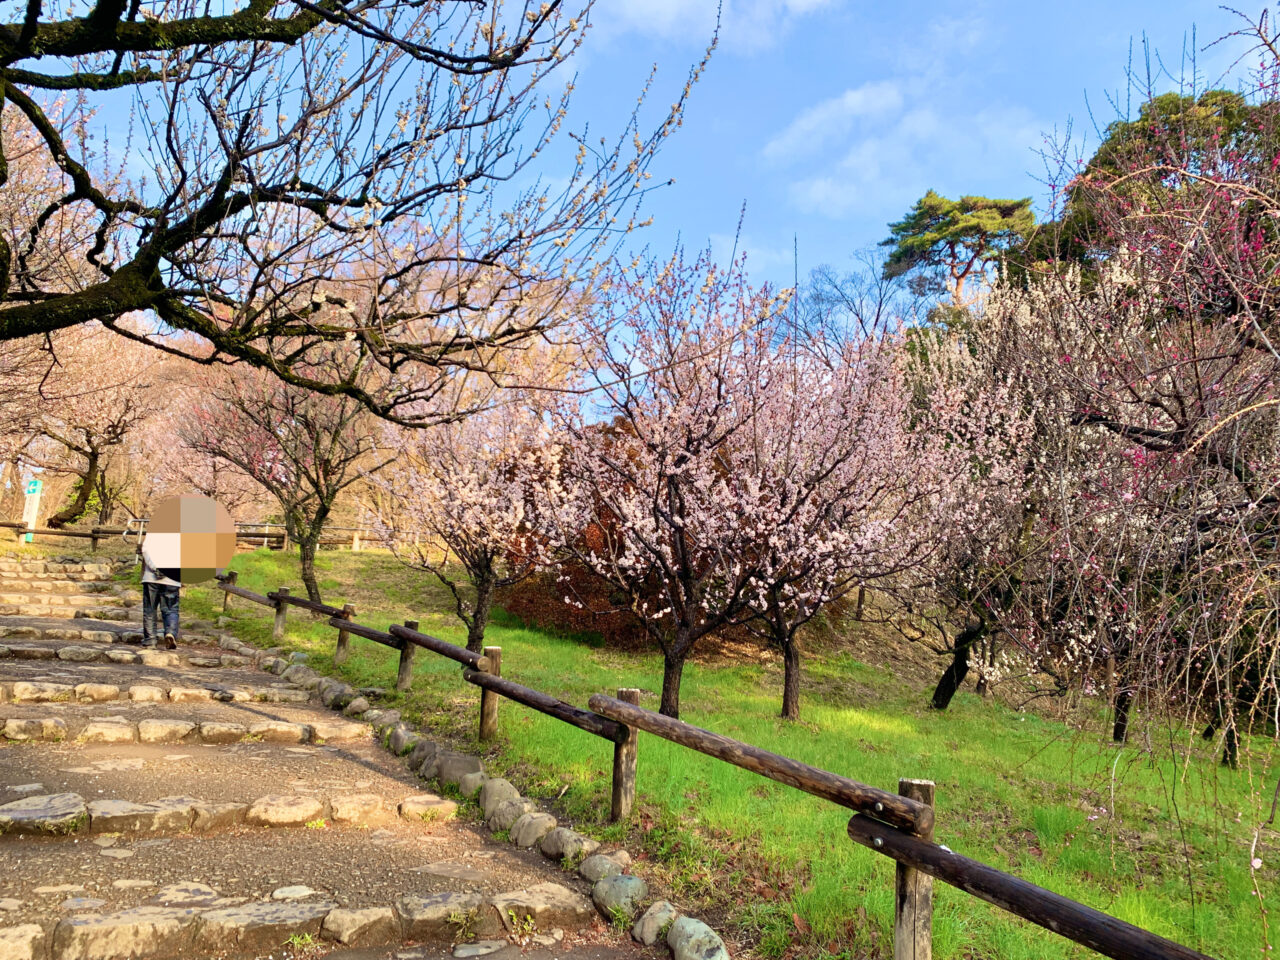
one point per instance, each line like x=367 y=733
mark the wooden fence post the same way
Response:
x=404 y=679
x=624 y=764
x=226 y=596
x=93 y=539
x=355 y=540
x=277 y=632
x=342 y=650
x=913 y=891
x=489 y=699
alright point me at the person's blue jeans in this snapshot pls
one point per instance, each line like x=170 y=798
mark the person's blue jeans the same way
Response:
x=159 y=612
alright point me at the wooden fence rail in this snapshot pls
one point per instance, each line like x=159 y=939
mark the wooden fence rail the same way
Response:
x=245 y=532
x=889 y=807
x=899 y=825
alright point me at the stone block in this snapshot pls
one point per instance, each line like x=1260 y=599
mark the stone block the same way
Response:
x=56 y=813
x=563 y=842
x=108 y=731
x=427 y=807
x=278 y=811
x=548 y=904
x=496 y=790
x=530 y=828
x=277 y=731
x=164 y=731
x=428 y=918
x=213 y=731
x=649 y=927
x=372 y=925
x=142 y=931
x=691 y=939
x=358 y=808
x=259 y=927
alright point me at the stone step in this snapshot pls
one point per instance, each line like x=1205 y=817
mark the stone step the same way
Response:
x=116 y=653
x=179 y=729
x=191 y=918
x=54 y=612
x=61 y=814
x=101 y=599
x=27 y=567
x=183 y=689
x=43 y=586
x=77 y=576
x=23 y=631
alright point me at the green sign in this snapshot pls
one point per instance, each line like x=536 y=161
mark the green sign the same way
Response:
x=31 y=510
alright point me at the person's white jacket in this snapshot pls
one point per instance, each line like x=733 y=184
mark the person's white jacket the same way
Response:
x=150 y=573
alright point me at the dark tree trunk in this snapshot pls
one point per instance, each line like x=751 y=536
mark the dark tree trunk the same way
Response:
x=982 y=688
x=791 y=680
x=862 y=600
x=1120 y=729
x=954 y=675
x=480 y=616
x=106 y=500
x=672 y=668
x=1231 y=745
x=307 y=554
x=88 y=480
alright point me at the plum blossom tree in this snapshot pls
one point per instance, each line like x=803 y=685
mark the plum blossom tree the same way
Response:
x=459 y=496
x=652 y=496
x=979 y=520
x=88 y=391
x=837 y=478
x=1159 y=356
x=304 y=448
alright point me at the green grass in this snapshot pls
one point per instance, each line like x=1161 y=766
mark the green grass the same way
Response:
x=1158 y=839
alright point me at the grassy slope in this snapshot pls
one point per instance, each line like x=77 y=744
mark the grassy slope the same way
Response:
x=1014 y=789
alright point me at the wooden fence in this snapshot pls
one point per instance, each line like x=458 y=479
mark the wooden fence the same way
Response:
x=262 y=534
x=898 y=825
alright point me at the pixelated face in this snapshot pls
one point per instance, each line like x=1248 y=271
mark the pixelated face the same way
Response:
x=191 y=537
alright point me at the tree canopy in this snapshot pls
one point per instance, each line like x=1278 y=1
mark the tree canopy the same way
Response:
x=362 y=171
x=955 y=236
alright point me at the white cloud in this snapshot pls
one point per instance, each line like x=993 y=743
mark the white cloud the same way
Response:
x=746 y=26
x=882 y=173
x=833 y=118
x=872 y=150
x=762 y=259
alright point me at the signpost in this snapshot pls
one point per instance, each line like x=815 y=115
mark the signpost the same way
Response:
x=31 y=509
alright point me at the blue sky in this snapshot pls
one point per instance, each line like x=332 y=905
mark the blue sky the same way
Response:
x=829 y=118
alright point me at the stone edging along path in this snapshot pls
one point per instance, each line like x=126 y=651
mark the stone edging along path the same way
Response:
x=192 y=917
x=67 y=813
x=618 y=895
x=172 y=730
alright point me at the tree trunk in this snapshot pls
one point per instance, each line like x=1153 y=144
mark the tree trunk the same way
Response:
x=106 y=500
x=1120 y=729
x=88 y=480
x=1231 y=745
x=307 y=553
x=791 y=680
x=672 y=668
x=480 y=616
x=989 y=660
x=17 y=494
x=959 y=668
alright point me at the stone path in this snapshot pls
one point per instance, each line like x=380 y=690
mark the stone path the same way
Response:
x=191 y=803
